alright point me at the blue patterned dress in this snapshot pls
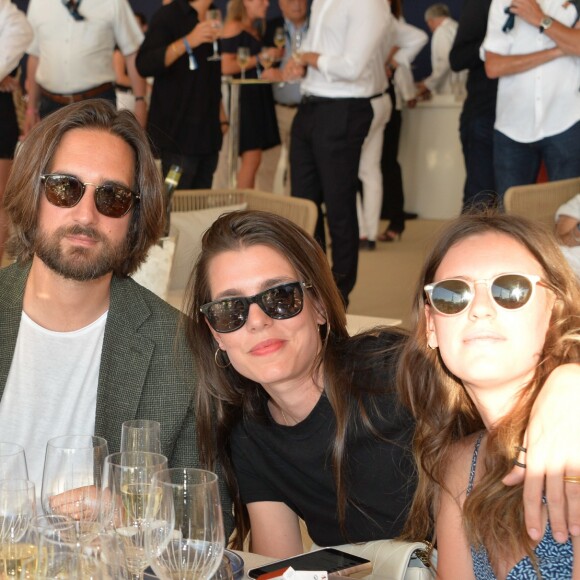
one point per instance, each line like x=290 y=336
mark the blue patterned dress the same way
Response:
x=554 y=559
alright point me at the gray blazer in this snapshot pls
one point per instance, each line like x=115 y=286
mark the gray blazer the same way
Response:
x=146 y=370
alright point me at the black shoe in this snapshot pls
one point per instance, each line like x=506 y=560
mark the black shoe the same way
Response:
x=371 y=245
x=408 y=215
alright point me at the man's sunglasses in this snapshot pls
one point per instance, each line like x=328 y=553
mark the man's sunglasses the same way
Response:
x=112 y=200
x=280 y=302
x=509 y=291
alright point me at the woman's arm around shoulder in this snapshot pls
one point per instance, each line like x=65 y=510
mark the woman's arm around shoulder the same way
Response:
x=453 y=552
x=275 y=529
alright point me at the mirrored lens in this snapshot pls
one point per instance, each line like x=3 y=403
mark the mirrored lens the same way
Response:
x=511 y=291
x=63 y=190
x=113 y=200
x=227 y=315
x=283 y=301
x=450 y=296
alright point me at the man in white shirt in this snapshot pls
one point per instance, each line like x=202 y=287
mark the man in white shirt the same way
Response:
x=71 y=56
x=334 y=117
x=84 y=347
x=444 y=29
x=532 y=52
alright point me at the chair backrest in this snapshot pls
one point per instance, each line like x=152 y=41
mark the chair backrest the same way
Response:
x=302 y=212
x=540 y=201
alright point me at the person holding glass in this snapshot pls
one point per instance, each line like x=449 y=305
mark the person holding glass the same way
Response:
x=241 y=47
x=497 y=309
x=186 y=119
x=309 y=424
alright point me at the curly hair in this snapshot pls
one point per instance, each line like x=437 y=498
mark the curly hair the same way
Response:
x=493 y=513
x=23 y=190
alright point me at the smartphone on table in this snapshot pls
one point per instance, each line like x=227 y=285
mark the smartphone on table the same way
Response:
x=330 y=560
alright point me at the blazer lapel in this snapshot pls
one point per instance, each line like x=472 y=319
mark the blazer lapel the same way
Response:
x=124 y=362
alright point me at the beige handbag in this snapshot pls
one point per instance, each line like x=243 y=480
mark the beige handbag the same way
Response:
x=395 y=559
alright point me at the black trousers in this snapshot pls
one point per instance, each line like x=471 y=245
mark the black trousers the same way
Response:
x=325 y=149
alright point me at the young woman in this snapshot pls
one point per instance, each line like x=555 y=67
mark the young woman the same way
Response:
x=308 y=422
x=498 y=309
x=258 y=124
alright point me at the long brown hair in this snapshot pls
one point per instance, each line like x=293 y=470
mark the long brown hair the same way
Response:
x=493 y=513
x=35 y=156
x=223 y=395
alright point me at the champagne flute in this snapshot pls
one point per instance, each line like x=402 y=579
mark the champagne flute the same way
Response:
x=12 y=461
x=72 y=480
x=127 y=490
x=279 y=37
x=243 y=56
x=17 y=508
x=196 y=547
x=141 y=435
x=266 y=58
x=215 y=15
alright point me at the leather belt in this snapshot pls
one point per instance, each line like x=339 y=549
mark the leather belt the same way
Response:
x=76 y=97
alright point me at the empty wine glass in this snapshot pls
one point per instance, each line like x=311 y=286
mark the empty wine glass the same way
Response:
x=196 y=547
x=215 y=15
x=72 y=480
x=12 y=461
x=243 y=56
x=17 y=508
x=141 y=435
x=127 y=490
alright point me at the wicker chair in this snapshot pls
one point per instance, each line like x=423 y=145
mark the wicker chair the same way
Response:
x=302 y=212
x=540 y=201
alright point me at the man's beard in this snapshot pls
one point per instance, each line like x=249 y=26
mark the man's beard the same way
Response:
x=80 y=263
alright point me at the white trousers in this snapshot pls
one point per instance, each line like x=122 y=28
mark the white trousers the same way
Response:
x=369 y=171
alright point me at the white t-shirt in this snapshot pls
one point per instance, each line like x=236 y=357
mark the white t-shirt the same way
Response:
x=51 y=388
x=572 y=253
x=543 y=101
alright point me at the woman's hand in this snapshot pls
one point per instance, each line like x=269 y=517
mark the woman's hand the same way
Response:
x=553 y=452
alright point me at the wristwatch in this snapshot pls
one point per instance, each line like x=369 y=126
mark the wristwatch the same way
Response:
x=545 y=23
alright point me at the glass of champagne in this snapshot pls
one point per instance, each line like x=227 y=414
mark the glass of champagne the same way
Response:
x=127 y=491
x=279 y=37
x=196 y=546
x=72 y=480
x=215 y=15
x=17 y=508
x=243 y=56
x=266 y=58
x=12 y=461
x=141 y=435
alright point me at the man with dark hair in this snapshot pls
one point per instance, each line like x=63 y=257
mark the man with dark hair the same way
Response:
x=84 y=347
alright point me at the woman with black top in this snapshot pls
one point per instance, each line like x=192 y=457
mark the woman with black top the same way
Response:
x=258 y=124
x=308 y=422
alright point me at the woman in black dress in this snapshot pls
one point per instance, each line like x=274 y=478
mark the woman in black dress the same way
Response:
x=15 y=36
x=258 y=124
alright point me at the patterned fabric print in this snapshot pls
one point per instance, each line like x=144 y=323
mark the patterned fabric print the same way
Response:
x=554 y=559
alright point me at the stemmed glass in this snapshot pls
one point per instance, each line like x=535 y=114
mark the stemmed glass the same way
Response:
x=243 y=56
x=72 y=480
x=266 y=58
x=215 y=15
x=17 y=508
x=279 y=37
x=127 y=491
x=196 y=547
x=141 y=435
x=12 y=461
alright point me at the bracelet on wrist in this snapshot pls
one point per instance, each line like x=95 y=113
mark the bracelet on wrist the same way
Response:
x=189 y=50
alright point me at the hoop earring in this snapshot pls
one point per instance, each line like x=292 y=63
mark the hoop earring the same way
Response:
x=217 y=362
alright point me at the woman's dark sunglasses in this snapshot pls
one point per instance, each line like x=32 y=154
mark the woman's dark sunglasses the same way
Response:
x=280 y=302
x=111 y=200
x=509 y=291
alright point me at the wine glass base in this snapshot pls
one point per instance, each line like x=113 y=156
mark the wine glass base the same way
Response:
x=213 y=58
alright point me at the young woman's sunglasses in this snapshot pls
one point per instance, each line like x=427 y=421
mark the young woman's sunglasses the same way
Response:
x=509 y=291
x=112 y=200
x=280 y=302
